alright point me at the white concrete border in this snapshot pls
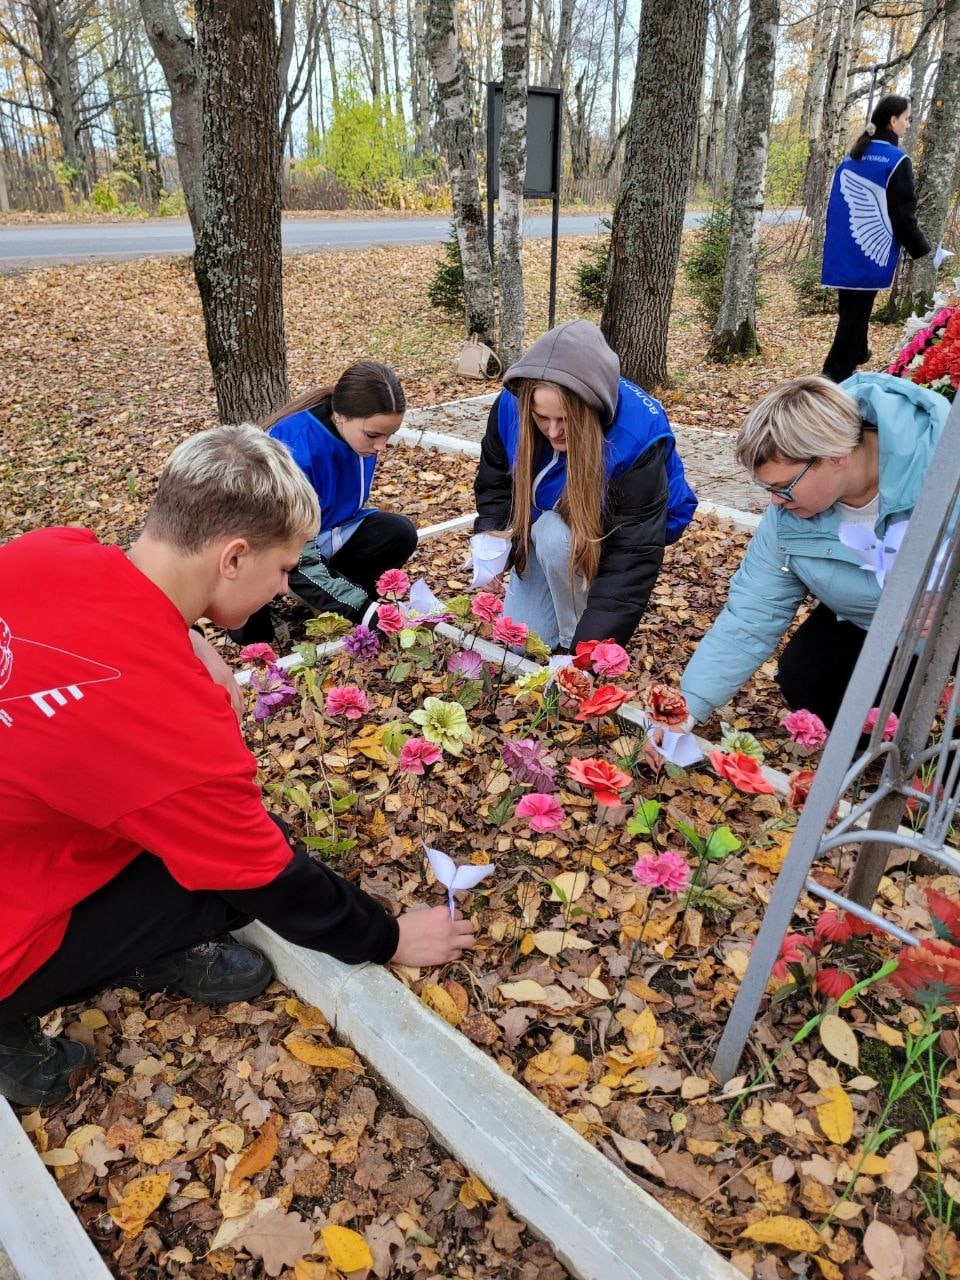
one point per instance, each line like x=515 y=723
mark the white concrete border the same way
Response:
x=602 y=1225
x=39 y=1231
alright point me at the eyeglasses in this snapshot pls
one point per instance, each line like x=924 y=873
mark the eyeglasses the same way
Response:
x=786 y=493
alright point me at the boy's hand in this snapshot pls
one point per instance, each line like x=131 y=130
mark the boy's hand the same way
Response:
x=429 y=937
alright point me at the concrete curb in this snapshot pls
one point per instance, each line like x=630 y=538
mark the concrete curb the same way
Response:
x=602 y=1225
x=39 y=1232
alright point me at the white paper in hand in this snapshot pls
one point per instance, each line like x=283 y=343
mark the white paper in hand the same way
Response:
x=877 y=554
x=488 y=555
x=453 y=877
x=681 y=749
x=423 y=604
x=940 y=257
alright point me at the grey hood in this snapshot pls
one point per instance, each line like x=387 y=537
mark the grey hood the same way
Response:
x=574 y=355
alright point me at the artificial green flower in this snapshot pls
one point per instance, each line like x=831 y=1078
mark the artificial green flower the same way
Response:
x=739 y=740
x=444 y=723
x=536 y=648
x=328 y=626
x=532 y=683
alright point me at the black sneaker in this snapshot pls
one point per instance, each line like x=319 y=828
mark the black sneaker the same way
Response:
x=35 y=1069
x=214 y=972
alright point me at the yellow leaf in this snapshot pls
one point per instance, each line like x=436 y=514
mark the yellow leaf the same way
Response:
x=260 y=1152
x=836 y=1115
x=318 y=1055
x=227 y=1134
x=59 y=1158
x=306 y=1015
x=139 y=1199
x=222 y=1261
x=155 y=1150
x=552 y=941
x=570 y=883
x=310 y=1269
x=347 y=1249
x=474 y=1193
x=872 y=1166
x=441 y=1002
x=566 y=1070
x=93 y=1019
x=369 y=742
x=770 y=859
x=838 y=1038
x=523 y=991
x=792 y=1233
x=829 y=1270
x=889 y=1035
x=80 y=1137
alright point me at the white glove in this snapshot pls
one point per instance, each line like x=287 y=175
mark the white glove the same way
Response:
x=941 y=256
x=488 y=555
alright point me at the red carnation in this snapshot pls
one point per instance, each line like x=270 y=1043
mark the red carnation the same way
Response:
x=667 y=706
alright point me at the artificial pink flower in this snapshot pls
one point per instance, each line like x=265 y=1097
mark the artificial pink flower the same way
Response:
x=393 y=583
x=893 y=723
x=831 y=926
x=417 y=756
x=257 y=653
x=390 y=619
x=541 y=811
x=806 y=729
x=486 y=606
x=509 y=633
x=791 y=953
x=833 y=983
x=346 y=700
x=610 y=659
x=667 y=870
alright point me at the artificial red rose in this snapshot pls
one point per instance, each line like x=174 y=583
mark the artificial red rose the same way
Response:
x=929 y=974
x=833 y=983
x=584 y=654
x=575 y=684
x=798 y=787
x=667 y=706
x=599 y=776
x=791 y=953
x=603 y=702
x=741 y=771
x=946 y=916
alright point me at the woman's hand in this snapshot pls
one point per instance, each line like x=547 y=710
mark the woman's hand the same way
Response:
x=218 y=670
x=429 y=937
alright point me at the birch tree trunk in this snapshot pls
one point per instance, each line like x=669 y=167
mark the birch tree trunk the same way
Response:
x=450 y=73
x=422 y=80
x=513 y=168
x=824 y=153
x=237 y=262
x=736 y=328
x=919 y=66
x=812 y=107
x=175 y=50
x=648 y=220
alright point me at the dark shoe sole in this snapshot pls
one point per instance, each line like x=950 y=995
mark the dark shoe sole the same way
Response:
x=21 y=1096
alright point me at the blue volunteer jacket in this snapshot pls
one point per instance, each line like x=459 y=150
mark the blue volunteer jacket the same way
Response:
x=860 y=248
x=639 y=422
x=340 y=477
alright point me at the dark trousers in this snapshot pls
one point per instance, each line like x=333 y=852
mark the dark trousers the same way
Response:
x=382 y=541
x=134 y=919
x=817 y=663
x=850 y=342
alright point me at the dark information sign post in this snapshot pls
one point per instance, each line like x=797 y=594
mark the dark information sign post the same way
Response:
x=542 y=181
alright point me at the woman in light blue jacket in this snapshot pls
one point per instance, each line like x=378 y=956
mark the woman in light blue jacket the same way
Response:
x=855 y=455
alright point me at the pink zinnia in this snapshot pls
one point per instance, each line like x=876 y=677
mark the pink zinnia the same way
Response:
x=833 y=983
x=541 y=811
x=417 y=756
x=486 y=606
x=609 y=659
x=667 y=870
x=257 y=653
x=390 y=619
x=893 y=723
x=510 y=633
x=346 y=700
x=393 y=583
x=805 y=728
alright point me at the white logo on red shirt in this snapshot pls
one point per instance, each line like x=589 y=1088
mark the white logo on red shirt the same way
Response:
x=47 y=677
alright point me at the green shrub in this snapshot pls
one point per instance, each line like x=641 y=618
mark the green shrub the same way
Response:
x=445 y=290
x=812 y=298
x=786 y=168
x=172 y=204
x=704 y=267
x=366 y=145
x=590 y=277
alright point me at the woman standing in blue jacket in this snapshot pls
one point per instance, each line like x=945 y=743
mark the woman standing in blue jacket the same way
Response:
x=580 y=480
x=336 y=433
x=827 y=456
x=871 y=215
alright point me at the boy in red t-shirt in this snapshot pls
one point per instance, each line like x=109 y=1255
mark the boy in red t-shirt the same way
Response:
x=132 y=832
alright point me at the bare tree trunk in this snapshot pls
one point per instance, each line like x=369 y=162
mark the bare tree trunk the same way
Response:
x=711 y=162
x=812 y=107
x=513 y=168
x=561 y=49
x=825 y=149
x=175 y=50
x=731 y=64
x=919 y=66
x=453 y=86
x=736 y=328
x=422 y=101
x=648 y=221
x=331 y=59
x=619 y=17
x=237 y=263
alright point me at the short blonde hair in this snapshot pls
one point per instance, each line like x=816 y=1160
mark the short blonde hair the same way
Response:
x=807 y=418
x=232 y=482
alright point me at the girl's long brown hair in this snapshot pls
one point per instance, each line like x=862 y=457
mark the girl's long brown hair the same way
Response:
x=362 y=391
x=581 y=504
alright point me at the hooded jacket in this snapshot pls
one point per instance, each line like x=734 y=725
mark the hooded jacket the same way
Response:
x=790 y=558
x=644 y=474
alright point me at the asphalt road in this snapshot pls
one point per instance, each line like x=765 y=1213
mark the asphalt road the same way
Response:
x=79 y=242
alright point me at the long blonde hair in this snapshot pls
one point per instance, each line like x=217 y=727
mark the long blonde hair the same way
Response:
x=584 y=496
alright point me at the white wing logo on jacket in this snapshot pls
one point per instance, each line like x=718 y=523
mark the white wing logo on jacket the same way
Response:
x=869 y=223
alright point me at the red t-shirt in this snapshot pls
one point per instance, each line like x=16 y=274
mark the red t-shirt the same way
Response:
x=113 y=739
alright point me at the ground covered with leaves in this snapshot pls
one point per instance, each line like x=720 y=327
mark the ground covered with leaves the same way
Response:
x=604 y=997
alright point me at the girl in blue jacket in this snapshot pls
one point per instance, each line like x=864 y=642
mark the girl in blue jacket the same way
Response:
x=336 y=433
x=827 y=456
